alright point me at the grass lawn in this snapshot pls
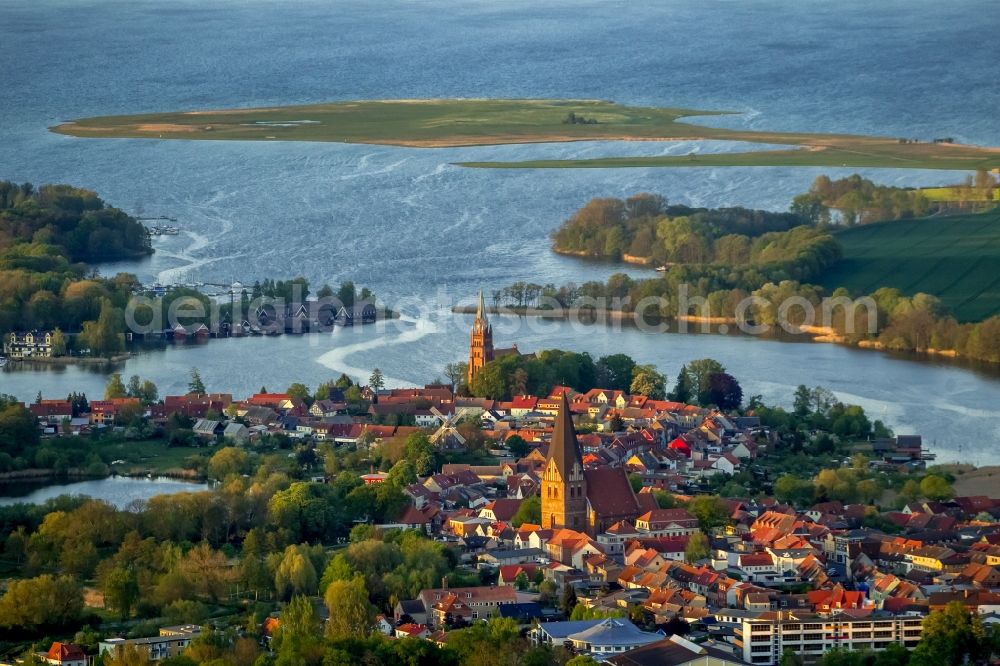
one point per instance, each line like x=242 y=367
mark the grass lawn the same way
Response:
x=956 y=258
x=457 y=122
x=149 y=455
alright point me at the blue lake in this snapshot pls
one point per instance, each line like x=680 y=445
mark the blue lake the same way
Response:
x=117 y=490
x=421 y=232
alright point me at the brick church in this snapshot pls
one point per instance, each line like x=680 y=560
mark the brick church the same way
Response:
x=481 y=349
x=585 y=500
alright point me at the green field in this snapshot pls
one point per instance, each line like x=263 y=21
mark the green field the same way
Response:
x=150 y=456
x=951 y=194
x=462 y=122
x=955 y=258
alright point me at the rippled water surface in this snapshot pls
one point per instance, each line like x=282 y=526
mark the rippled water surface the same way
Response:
x=410 y=225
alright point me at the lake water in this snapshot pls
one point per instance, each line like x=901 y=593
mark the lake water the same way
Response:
x=117 y=490
x=423 y=233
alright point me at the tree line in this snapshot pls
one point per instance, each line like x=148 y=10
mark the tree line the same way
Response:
x=645 y=226
x=858 y=200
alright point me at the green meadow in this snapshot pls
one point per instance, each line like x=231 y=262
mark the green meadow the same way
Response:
x=956 y=258
x=463 y=122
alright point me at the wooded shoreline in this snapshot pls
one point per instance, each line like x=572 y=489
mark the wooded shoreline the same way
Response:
x=724 y=326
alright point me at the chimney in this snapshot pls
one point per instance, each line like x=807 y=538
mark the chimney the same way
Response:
x=444 y=582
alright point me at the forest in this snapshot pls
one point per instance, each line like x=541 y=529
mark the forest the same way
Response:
x=710 y=270
x=48 y=236
x=75 y=221
x=645 y=227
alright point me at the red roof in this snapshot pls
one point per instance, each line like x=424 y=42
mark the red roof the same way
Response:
x=51 y=408
x=267 y=399
x=271 y=624
x=756 y=560
x=411 y=629
x=523 y=402
x=680 y=445
x=66 y=652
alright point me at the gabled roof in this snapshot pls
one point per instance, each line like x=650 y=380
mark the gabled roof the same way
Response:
x=610 y=493
x=65 y=652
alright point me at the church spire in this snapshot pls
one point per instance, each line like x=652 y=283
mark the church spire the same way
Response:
x=481 y=340
x=481 y=308
x=564 y=485
x=563 y=450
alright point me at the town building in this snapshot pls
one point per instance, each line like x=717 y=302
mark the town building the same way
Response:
x=584 y=500
x=762 y=636
x=171 y=642
x=676 y=651
x=597 y=638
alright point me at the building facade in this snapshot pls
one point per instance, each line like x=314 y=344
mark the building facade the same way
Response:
x=584 y=500
x=761 y=637
x=31 y=344
x=564 y=487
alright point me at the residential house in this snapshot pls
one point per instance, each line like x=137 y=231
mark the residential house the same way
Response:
x=471 y=603
x=113 y=411
x=208 y=430
x=236 y=433
x=64 y=654
x=29 y=344
x=52 y=412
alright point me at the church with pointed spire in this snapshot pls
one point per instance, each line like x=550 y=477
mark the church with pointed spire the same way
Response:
x=580 y=499
x=481 y=344
x=481 y=350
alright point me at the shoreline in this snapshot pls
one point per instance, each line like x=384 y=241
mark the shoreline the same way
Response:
x=41 y=475
x=631 y=259
x=73 y=360
x=817 y=334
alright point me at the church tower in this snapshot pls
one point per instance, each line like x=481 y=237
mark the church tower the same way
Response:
x=564 y=488
x=481 y=344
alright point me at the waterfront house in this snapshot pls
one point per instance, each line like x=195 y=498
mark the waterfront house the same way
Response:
x=29 y=344
x=361 y=313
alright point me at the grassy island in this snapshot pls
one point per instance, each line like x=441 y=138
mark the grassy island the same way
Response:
x=462 y=122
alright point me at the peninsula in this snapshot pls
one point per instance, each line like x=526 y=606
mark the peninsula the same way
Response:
x=441 y=123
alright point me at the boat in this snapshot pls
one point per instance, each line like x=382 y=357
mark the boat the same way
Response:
x=163 y=230
x=3 y=361
x=661 y=269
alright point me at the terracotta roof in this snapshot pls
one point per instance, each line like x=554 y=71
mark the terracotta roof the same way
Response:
x=610 y=493
x=65 y=652
x=504 y=508
x=756 y=560
x=667 y=516
x=411 y=629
